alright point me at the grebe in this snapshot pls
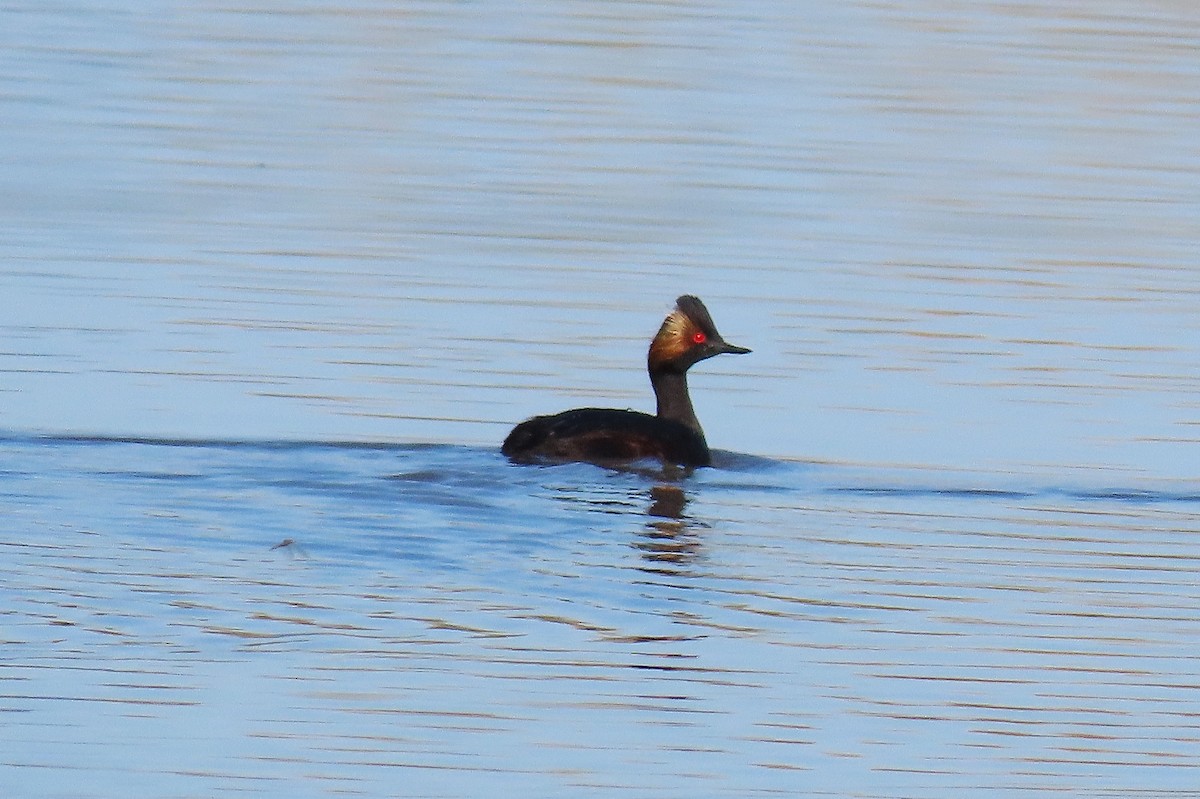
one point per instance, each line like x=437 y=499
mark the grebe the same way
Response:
x=673 y=435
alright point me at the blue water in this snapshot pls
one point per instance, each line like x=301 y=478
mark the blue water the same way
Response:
x=277 y=278
x=186 y=618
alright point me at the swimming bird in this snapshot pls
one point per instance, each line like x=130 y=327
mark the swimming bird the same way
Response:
x=605 y=435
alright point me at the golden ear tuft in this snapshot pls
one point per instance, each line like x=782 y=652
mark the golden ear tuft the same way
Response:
x=673 y=338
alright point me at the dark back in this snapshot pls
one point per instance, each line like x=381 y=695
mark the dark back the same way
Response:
x=603 y=434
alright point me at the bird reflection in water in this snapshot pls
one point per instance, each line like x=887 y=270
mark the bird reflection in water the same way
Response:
x=668 y=544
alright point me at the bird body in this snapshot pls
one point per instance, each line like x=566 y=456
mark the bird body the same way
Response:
x=673 y=435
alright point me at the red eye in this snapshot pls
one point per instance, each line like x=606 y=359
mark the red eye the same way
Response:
x=699 y=338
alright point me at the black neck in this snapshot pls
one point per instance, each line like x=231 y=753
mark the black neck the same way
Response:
x=670 y=387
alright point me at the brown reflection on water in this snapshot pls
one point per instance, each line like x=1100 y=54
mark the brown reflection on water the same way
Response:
x=668 y=543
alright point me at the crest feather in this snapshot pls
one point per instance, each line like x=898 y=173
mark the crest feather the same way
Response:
x=674 y=338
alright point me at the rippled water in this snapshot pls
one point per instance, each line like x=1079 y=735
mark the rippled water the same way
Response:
x=276 y=279
x=196 y=618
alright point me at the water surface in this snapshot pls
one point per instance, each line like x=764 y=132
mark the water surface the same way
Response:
x=275 y=280
x=953 y=236
x=199 y=618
